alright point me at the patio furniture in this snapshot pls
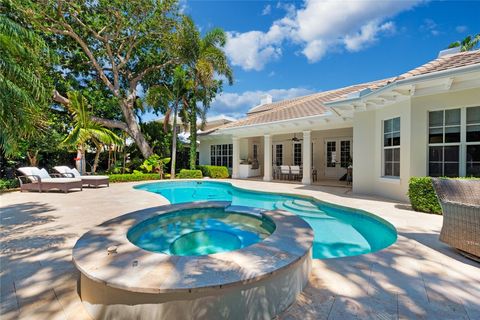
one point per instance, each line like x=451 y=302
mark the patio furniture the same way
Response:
x=89 y=180
x=285 y=172
x=40 y=180
x=460 y=200
x=314 y=175
x=295 y=172
x=276 y=172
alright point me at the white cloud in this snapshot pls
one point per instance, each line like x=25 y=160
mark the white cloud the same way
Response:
x=317 y=27
x=430 y=26
x=461 y=29
x=267 y=10
x=237 y=104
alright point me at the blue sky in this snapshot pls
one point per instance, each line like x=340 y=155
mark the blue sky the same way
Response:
x=288 y=49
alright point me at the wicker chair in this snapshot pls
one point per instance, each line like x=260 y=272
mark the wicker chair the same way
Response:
x=460 y=200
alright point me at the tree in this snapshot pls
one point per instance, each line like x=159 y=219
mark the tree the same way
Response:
x=118 y=42
x=467 y=44
x=87 y=130
x=172 y=99
x=24 y=88
x=206 y=63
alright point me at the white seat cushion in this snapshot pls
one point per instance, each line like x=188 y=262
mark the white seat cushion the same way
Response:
x=61 y=180
x=93 y=177
x=75 y=173
x=62 y=169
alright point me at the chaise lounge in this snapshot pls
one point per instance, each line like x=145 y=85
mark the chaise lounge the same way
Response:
x=89 y=180
x=40 y=180
x=460 y=200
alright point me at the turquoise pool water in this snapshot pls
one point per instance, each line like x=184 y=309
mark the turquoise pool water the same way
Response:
x=339 y=231
x=194 y=232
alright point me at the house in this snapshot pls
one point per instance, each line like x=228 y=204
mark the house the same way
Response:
x=425 y=122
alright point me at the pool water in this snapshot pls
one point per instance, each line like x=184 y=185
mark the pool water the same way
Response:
x=338 y=231
x=193 y=232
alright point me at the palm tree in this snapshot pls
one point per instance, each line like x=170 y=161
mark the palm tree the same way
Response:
x=23 y=86
x=173 y=100
x=206 y=63
x=87 y=130
x=467 y=44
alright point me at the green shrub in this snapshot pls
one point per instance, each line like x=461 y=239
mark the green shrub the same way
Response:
x=6 y=184
x=190 y=174
x=422 y=195
x=133 y=177
x=216 y=172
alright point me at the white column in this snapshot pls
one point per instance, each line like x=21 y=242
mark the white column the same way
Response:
x=307 y=157
x=236 y=157
x=267 y=160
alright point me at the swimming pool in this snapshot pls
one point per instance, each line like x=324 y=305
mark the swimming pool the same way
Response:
x=338 y=231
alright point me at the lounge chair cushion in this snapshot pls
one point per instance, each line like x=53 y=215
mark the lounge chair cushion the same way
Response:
x=44 y=174
x=75 y=173
x=62 y=169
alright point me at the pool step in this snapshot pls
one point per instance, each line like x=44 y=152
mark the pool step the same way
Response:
x=313 y=212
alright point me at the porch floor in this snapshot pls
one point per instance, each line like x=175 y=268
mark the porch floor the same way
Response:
x=322 y=182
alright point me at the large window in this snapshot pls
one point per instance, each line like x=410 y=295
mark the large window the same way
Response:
x=454 y=142
x=278 y=154
x=297 y=154
x=391 y=147
x=473 y=142
x=221 y=155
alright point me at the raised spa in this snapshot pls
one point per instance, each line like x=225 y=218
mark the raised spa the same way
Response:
x=194 y=232
x=205 y=260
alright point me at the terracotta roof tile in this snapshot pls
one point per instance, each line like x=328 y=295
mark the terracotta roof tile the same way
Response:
x=313 y=104
x=450 y=61
x=305 y=106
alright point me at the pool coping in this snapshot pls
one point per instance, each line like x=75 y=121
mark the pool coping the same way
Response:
x=134 y=269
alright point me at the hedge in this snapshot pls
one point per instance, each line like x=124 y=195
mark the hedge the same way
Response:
x=6 y=184
x=422 y=195
x=128 y=177
x=190 y=174
x=216 y=172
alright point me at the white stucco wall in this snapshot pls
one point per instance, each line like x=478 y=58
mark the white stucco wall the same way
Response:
x=413 y=113
x=368 y=152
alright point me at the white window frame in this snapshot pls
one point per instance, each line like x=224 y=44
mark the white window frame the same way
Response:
x=399 y=147
x=215 y=156
x=462 y=158
x=301 y=153
x=275 y=153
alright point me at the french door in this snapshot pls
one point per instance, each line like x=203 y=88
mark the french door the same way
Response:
x=338 y=156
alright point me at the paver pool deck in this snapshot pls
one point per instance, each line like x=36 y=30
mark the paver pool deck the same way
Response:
x=417 y=277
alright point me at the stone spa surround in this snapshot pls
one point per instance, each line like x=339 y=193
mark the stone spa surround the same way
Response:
x=121 y=281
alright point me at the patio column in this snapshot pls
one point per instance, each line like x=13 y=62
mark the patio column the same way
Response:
x=307 y=157
x=236 y=157
x=267 y=160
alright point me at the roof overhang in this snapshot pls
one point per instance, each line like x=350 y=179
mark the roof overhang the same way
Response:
x=326 y=121
x=462 y=78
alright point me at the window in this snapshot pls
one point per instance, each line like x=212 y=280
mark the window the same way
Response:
x=255 y=152
x=391 y=147
x=345 y=158
x=278 y=154
x=473 y=142
x=221 y=155
x=331 y=147
x=297 y=154
x=454 y=142
x=444 y=143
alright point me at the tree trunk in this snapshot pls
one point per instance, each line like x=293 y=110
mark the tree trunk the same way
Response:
x=32 y=158
x=174 y=143
x=133 y=127
x=193 y=139
x=97 y=157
